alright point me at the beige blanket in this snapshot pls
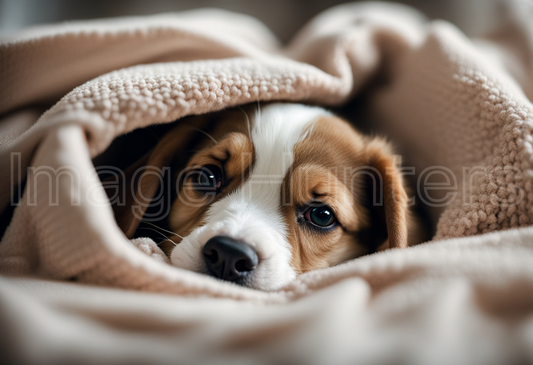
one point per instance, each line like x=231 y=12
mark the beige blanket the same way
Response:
x=456 y=105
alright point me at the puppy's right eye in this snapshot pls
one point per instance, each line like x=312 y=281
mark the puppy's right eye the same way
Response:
x=208 y=179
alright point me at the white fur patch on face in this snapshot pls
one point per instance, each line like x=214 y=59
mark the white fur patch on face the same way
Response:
x=253 y=212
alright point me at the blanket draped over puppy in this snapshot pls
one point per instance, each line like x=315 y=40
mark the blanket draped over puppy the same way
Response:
x=461 y=107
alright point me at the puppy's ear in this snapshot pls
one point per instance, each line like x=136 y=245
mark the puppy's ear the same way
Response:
x=152 y=175
x=387 y=199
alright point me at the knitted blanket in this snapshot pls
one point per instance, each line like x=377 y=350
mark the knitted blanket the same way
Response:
x=459 y=109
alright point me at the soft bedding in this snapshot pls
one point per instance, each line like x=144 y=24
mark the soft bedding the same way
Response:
x=75 y=290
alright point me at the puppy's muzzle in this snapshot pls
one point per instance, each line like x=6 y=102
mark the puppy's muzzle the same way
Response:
x=229 y=259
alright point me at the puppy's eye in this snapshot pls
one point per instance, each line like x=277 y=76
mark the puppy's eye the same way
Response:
x=321 y=216
x=208 y=178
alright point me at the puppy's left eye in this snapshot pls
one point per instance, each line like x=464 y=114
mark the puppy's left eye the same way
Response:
x=321 y=216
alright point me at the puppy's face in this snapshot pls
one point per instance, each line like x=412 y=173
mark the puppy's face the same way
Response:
x=258 y=206
x=290 y=189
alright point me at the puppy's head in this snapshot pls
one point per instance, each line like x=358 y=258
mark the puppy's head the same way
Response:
x=267 y=194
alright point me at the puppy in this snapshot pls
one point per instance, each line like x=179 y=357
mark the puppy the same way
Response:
x=257 y=196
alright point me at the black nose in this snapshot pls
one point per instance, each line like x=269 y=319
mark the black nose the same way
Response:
x=229 y=259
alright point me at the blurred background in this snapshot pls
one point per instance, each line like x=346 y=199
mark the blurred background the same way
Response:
x=283 y=17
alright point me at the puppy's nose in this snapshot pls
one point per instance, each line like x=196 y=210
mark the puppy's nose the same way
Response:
x=229 y=259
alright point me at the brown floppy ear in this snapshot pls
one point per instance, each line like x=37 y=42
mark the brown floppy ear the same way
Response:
x=392 y=211
x=152 y=175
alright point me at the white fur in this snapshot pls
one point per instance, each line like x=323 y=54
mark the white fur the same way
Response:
x=253 y=212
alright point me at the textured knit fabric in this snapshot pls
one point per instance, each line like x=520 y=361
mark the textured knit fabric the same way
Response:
x=453 y=103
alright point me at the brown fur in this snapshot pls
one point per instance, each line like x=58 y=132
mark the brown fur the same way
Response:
x=230 y=131
x=329 y=167
x=234 y=154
